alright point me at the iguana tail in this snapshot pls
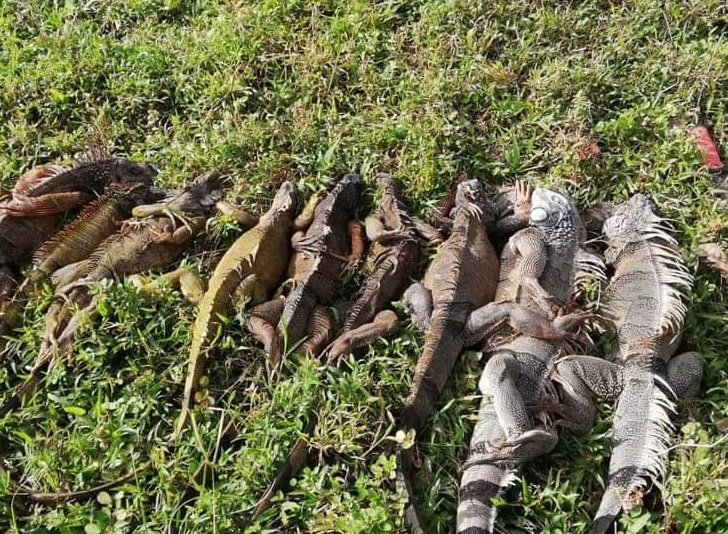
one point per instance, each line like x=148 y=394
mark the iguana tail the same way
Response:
x=405 y=462
x=484 y=476
x=480 y=483
x=642 y=431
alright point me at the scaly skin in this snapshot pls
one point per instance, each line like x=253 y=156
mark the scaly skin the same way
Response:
x=642 y=305
x=461 y=278
x=539 y=267
x=253 y=264
x=80 y=237
x=59 y=190
x=140 y=245
x=392 y=259
x=320 y=259
x=20 y=236
x=31 y=214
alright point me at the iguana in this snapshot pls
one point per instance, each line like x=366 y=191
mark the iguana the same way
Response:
x=29 y=217
x=97 y=221
x=392 y=261
x=31 y=214
x=540 y=266
x=454 y=303
x=461 y=278
x=321 y=256
x=643 y=305
x=151 y=242
x=251 y=267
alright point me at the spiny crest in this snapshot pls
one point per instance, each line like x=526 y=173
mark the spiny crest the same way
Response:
x=88 y=211
x=588 y=267
x=649 y=455
x=97 y=150
x=635 y=222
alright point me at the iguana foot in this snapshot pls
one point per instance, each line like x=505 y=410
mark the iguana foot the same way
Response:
x=307 y=245
x=569 y=323
x=522 y=204
x=527 y=446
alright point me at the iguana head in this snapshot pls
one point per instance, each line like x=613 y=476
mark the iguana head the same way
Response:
x=347 y=193
x=199 y=196
x=553 y=212
x=631 y=220
x=134 y=194
x=285 y=200
x=126 y=171
x=471 y=199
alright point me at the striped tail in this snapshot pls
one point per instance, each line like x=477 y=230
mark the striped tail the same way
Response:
x=480 y=483
x=642 y=433
x=483 y=479
x=607 y=513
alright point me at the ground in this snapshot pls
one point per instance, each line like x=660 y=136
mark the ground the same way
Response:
x=593 y=96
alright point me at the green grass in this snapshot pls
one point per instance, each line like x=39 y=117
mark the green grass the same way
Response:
x=284 y=89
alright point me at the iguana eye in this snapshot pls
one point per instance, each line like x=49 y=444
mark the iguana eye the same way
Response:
x=539 y=215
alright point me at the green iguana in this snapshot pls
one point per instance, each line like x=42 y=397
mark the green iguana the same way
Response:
x=97 y=221
x=251 y=268
x=643 y=305
x=540 y=266
x=321 y=256
x=46 y=191
x=151 y=242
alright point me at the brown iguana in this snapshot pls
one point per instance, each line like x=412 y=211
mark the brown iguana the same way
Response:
x=49 y=190
x=393 y=259
x=251 y=268
x=321 y=256
x=540 y=266
x=31 y=213
x=142 y=244
x=461 y=278
x=97 y=221
x=643 y=305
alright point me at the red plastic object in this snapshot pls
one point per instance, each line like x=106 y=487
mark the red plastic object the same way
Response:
x=711 y=157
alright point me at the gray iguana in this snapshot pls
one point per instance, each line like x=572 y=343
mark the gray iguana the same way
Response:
x=643 y=305
x=453 y=305
x=540 y=267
